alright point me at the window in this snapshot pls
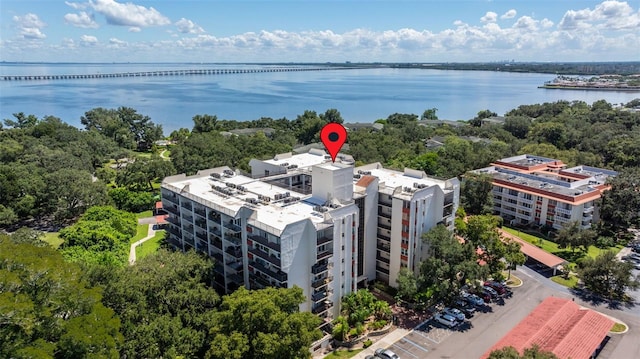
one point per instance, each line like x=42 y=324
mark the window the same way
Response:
x=404 y=251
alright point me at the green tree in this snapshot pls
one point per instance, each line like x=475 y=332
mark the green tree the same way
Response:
x=332 y=115
x=518 y=126
x=131 y=201
x=407 y=284
x=48 y=310
x=165 y=303
x=513 y=255
x=179 y=135
x=619 y=205
x=22 y=121
x=483 y=232
x=449 y=264
x=263 y=324
x=607 y=276
x=573 y=236
x=430 y=114
x=205 y=123
x=476 y=193
x=68 y=201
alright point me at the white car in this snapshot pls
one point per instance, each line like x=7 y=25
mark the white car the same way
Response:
x=386 y=354
x=456 y=313
x=446 y=319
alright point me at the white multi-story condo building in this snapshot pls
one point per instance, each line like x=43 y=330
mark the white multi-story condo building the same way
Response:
x=543 y=191
x=304 y=220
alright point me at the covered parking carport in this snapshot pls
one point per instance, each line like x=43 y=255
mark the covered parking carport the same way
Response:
x=547 y=259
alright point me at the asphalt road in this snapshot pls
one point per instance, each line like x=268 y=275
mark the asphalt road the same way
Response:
x=485 y=329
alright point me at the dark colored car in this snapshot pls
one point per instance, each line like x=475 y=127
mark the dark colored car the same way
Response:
x=465 y=307
x=498 y=287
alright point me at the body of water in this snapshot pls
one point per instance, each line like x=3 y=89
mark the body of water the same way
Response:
x=362 y=95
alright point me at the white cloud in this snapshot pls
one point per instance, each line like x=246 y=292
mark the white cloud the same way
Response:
x=29 y=26
x=82 y=20
x=188 y=27
x=76 y=5
x=546 y=23
x=490 y=16
x=509 y=14
x=608 y=15
x=526 y=23
x=134 y=29
x=88 y=40
x=129 y=14
x=115 y=43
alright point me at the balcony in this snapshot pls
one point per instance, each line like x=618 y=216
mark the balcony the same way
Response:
x=170 y=197
x=588 y=209
x=175 y=231
x=319 y=283
x=232 y=227
x=201 y=223
x=201 y=235
x=216 y=241
x=216 y=231
x=218 y=268
x=264 y=241
x=318 y=296
x=187 y=218
x=256 y=282
x=235 y=252
x=171 y=209
x=382 y=270
x=325 y=254
x=317 y=309
x=174 y=242
x=271 y=259
x=384 y=247
x=277 y=275
x=323 y=240
x=563 y=210
x=187 y=206
x=586 y=217
x=218 y=258
x=386 y=204
x=319 y=268
x=383 y=237
x=384 y=214
x=233 y=238
x=383 y=259
x=385 y=226
x=447 y=210
x=235 y=264
x=215 y=217
x=201 y=212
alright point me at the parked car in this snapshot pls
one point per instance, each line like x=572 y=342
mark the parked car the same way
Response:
x=446 y=319
x=474 y=300
x=465 y=307
x=497 y=286
x=456 y=313
x=370 y=357
x=386 y=354
x=492 y=292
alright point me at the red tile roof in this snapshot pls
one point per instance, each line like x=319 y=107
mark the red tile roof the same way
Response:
x=159 y=205
x=365 y=181
x=534 y=252
x=559 y=326
x=162 y=219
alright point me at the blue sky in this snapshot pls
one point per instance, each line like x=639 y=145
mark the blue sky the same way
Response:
x=318 y=31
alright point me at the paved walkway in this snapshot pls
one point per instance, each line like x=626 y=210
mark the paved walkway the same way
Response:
x=384 y=342
x=151 y=232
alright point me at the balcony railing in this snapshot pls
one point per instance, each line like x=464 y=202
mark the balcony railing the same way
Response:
x=382 y=270
x=216 y=241
x=258 y=282
x=588 y=209
x=277 y=275
x=264 y=241
x=319 y=283
x=215 y=217
x=201 y=223
x=201 y=235
x=383 y=259
x=319 y=308
x=201 y=212
x=234 y=252
x=383 y=237
x=386 y=204
x=271 y=259
x=171 y=210
x=186 y=206
x=232 y=227
x=563 y=210
x=318 y=296
x=385 y=226
x=384 y=214
x=319 y=268
x=325 y=254
x=323 y=240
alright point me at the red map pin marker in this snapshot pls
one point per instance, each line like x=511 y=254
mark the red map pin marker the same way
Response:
x=333 y=135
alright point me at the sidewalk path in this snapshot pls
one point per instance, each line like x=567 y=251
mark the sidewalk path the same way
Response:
x=132 y=252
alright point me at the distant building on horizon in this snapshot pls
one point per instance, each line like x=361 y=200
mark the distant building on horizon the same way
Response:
x=543 y=191
x=303 y=220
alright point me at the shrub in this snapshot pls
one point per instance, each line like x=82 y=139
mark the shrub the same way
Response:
x=378 y=324
x=367 y=343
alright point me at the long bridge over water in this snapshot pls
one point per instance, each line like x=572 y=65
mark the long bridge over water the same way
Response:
x=168 y=73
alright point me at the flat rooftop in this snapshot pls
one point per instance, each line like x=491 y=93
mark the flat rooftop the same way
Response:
x=389 y=179
x=273 y=205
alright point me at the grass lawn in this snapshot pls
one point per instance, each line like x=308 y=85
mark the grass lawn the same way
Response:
x=552 y=247
x=569 y=283
x=343 y=353
x=618 y=328
x=52 y=238
x=141 y=232
x=512 y=280
x=144 y=214
x=149 y=246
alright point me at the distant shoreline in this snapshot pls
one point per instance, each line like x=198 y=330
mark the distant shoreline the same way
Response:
x=590 y=88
